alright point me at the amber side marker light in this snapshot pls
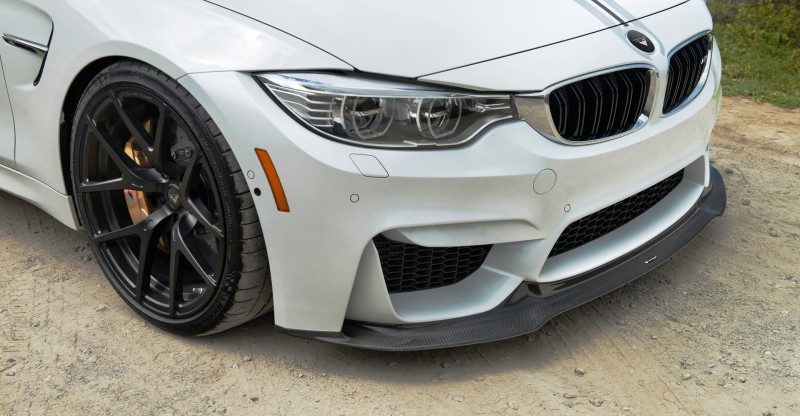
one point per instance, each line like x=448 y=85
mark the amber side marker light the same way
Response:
x=274 y=180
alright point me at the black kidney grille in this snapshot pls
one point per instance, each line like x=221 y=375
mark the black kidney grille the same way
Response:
x=608 y=219
x=686 y=68
x=408 y=267
x=601 y=106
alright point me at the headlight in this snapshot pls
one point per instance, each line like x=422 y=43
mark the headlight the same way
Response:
x=370 y=112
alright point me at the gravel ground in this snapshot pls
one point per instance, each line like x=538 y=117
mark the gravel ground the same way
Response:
x=714 y=331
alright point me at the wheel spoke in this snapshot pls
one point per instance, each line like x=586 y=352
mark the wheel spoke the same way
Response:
x=135 y=128
x=139 y=229
x=129 y=231
x=183 y=239
x=116 y=153
x=175 y=279
x=116 y=184
x=196 y=207
x=199 y=210
x=187 y=176
x=155 y=226
x=158 y=136
x=147 y=180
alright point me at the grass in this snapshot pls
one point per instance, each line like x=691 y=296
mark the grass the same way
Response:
x=760 y=49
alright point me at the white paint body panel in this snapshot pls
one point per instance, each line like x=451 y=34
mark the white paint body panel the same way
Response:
x=419 y=37
x=27 y=22
x=323 y=263
x=538 y=69
x=6 y=124
x=636 y=9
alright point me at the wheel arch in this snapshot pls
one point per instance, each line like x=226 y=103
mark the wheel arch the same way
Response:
x=70 y=106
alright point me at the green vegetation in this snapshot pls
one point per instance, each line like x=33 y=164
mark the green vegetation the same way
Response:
x=760 y=44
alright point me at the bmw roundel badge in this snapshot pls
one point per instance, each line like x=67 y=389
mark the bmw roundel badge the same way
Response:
x=641 y=41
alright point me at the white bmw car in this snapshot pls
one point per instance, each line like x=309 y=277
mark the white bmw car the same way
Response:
x=384 y=175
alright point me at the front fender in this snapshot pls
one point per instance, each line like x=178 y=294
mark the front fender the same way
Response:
x=178 y=37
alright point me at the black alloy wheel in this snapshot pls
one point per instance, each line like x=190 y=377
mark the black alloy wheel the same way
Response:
x=165 y=205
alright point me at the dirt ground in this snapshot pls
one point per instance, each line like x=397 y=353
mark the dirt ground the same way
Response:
x=714 y=331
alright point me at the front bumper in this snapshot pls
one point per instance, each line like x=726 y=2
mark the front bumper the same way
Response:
x=325 y=269
x=533 y=304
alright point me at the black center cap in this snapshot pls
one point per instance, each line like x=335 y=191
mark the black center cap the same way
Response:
x=174 y=196
x=641 y=41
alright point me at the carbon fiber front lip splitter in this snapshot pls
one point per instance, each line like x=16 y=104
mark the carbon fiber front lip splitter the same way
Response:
x=532 y=305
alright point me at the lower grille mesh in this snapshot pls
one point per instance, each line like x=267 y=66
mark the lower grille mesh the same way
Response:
x=408 y=267
x=594 y=226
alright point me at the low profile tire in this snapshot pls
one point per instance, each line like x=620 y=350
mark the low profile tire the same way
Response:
x=164 y=202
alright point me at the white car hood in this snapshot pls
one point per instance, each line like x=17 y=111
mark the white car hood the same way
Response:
x=413 y=38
